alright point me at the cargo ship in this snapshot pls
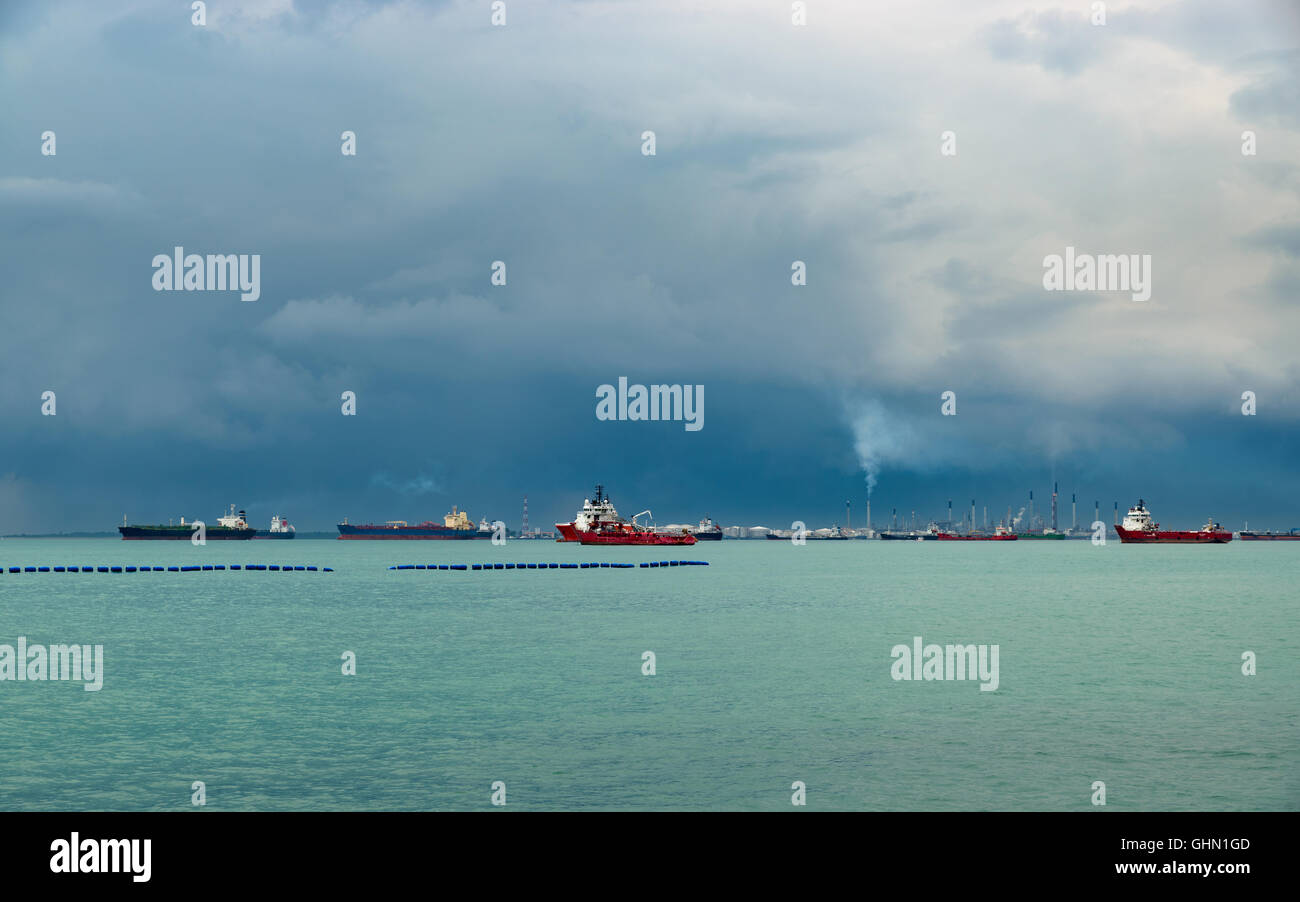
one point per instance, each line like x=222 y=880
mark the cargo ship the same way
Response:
x=1247 y=535
x=455 y=525
x=1139 y=528
x=280 y=529
x=910 y=535
x=708 y=531
x=1001 y=534
x=832 y=535
x=232 y=526
x=598 y=523
x=1045 y=534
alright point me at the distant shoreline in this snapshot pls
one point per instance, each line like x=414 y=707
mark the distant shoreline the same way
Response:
x=114 y=535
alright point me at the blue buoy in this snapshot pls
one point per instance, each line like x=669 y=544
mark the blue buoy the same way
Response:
x=234 y=566
x=207 y=566
x=443 y=567
x=498 y=566
x=43 y=569
x=130 y=569
x=328 y=569
x=459 y=567
x=299 y=567
x=476 y=566
x=190 y=569
x=173 y=569
x=15 y=570
x=311 y=568
x=406 y=567
x=58 y=570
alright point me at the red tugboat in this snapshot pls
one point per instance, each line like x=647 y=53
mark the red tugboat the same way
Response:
x=1001 y=534
x=1139 y=528
x=598 y=523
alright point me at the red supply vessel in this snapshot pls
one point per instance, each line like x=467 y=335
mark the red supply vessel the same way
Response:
x=1138 y=528
x=598 y=523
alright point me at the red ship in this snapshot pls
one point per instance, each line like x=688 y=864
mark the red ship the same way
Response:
x=598 y=523
x=1138 y=528
x=1001 y=534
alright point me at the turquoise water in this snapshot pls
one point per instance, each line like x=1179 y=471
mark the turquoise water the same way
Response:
x=1120 y=664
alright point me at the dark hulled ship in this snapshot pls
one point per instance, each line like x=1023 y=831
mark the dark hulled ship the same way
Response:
x=232 y=526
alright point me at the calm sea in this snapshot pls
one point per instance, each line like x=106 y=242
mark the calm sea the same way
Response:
x=1118 y=664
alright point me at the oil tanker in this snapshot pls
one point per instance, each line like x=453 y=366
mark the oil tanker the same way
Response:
x=708 y=531
x=1268 y=536
x=455 y=525
x=1139 y=529
x=232 y=526
x=1001 y=534
x=280 y=529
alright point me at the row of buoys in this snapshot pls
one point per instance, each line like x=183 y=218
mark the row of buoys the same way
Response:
x=592 y=566
x=285 y=568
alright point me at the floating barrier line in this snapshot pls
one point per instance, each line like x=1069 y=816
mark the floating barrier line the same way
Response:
x=188 y=568
x=540 y=566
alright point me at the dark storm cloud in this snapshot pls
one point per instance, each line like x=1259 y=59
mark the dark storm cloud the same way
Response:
x=522 y=144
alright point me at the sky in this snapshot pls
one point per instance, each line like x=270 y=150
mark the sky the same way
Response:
x=523 y=143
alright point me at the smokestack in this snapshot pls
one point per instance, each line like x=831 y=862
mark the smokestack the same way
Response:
x=972 y=515
x=949 y=513
x=868 y=513
x=1117 y=513
x=986 y=518
x=1031 y=510
x=1096 y=514
x=893 y=520
x=1054 y=487
x=848 y=515
x=1074 y=512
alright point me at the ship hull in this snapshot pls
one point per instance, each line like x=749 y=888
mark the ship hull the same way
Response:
x=1266 y=537
x=1036 y=535
x=906 y=537
x=390 y=533
x=274 y=535
x=182 y=533
x=1145 y=537
x=810 y=538
x=708 y=536
x=948 y=537
x=593 y=539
